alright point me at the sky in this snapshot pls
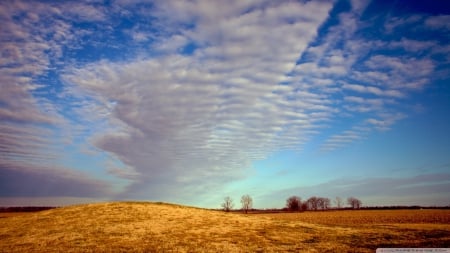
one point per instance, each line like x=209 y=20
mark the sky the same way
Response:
x=192 y=101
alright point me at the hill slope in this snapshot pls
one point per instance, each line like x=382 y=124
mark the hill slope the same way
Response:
x=153 y=227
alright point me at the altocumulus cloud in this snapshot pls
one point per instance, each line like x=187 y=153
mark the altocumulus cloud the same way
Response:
x=29 y=140
x=198 y=120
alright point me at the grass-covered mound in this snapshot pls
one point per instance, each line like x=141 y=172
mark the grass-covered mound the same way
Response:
x=158 y=227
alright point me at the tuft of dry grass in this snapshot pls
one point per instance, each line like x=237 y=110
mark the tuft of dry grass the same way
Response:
x=157 y=227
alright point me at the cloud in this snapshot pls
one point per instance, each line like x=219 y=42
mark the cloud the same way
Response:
x=413 y=190
x=438 y=22
x=387 y=120
x=370 y=78
x=403 y=72
x=413 y=45
x=394 y=23
x=20 y=180
x=257 y=97
x=207 y=115
x=24 y=118
x=373 y=90
x=34 y=130
x=84 y=12
x=358 y=7
x=344 y=138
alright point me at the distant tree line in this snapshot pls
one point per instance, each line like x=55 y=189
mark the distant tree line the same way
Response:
x=295 y=203
x=24 y=209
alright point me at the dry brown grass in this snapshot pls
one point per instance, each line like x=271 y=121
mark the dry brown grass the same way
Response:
x=11 y=214
x=368 y=217
x=152 y=227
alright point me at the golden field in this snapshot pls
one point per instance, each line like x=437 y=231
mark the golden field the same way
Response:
x=156 y=227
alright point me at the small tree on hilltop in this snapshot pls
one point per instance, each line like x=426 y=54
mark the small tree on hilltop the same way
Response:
x=354 y=202
x=247 y=203
x=294 y=203
x=227 y=204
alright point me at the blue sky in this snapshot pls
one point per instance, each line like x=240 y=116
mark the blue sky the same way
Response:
x=192 y=101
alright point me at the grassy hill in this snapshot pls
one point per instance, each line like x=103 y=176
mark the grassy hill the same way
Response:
x=157 y=227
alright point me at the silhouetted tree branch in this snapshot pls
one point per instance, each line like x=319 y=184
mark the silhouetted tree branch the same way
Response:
x=227 y=204
x=247 y=203
x=323 y=203
x=312 y=203
x=354 y=202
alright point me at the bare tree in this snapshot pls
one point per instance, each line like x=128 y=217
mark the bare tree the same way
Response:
x=354 y=202
x=338 y=202
x=227 y=204
x=294 y=203
x=247 y=203
x=323 y=203
x=313 y=203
